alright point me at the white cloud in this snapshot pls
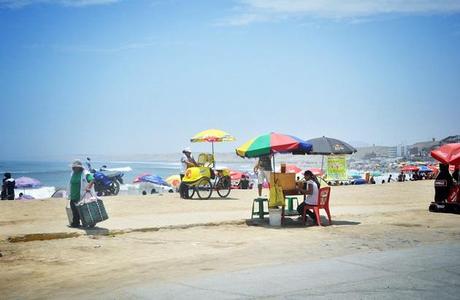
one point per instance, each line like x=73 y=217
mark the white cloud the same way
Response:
x=75 y=3
x=261 y=10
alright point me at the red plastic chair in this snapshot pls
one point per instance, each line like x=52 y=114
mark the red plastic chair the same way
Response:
x=323 y=202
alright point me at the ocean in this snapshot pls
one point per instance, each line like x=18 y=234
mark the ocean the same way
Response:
x=57 y=173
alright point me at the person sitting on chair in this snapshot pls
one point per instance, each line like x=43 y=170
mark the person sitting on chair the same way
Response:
x=310 y=189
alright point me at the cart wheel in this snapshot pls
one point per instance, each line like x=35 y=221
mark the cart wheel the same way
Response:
x=190 y=192
x=433 y=208
x=223 y=186
x=204 y=188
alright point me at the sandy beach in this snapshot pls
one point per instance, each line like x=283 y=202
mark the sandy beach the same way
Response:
x=160 y=239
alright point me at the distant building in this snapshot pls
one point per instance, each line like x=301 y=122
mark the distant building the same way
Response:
x=393 y=151
x=402 y=150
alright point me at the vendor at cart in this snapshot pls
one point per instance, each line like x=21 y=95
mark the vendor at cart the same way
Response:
x=309 y=187
x=187 y=161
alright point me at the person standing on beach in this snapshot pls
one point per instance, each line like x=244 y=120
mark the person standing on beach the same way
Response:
x=187 y=161
x=263 y=169
x=390 y=178
x=81 y=182
x=8 y=186
x=442 y=184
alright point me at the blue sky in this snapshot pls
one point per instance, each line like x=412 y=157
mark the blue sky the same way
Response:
x=143 y=76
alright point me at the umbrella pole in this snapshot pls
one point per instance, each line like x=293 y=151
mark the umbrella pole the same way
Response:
x=213 y=158
x=274 y=180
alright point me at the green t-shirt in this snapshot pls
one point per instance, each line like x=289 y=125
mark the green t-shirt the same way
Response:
x=75 y=182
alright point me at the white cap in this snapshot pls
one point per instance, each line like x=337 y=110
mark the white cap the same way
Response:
x=77 y=164
x=187 y=149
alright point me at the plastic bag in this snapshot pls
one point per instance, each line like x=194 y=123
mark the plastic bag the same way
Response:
x=276 y=196
x=88 y=197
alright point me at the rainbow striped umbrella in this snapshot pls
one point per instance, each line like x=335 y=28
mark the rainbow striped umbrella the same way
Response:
x=273 y=143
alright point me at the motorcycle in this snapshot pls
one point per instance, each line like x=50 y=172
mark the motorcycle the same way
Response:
x=106 y=182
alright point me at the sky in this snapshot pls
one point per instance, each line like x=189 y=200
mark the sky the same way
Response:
x=122 y=77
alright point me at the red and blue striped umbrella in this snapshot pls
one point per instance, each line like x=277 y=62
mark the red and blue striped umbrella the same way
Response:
x=273 y=143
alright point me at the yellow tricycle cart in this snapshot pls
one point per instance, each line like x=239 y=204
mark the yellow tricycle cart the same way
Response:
x=203 y=179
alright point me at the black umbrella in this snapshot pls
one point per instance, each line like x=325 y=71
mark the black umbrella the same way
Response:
x=330 y=146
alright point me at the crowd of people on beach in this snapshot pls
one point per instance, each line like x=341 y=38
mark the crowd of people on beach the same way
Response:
x=82 y=181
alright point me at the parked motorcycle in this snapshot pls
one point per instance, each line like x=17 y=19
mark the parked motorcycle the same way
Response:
x=106 y=183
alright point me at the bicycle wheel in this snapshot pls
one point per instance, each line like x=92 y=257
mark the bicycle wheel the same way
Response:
x=223 y=186
x=204 y=188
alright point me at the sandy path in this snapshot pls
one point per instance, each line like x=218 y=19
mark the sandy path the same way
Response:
x=366 y=218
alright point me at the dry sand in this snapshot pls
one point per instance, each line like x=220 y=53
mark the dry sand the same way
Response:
x=365 y=219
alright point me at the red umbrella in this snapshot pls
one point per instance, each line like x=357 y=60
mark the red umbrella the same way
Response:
x=316 y=171
x=433 y=168
x=293 y=169
x=448 y=154
x=409 y=169
x=236 y=175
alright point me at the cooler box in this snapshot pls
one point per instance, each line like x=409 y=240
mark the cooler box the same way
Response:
x=69 y=213
x=92 y=213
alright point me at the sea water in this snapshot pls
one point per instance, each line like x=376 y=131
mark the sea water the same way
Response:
x=55 y=175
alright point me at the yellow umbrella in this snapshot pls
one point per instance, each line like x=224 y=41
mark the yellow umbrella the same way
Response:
x=173 y=180
x=212 y=136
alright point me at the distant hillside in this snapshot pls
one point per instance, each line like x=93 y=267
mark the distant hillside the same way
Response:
x=378 y=150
